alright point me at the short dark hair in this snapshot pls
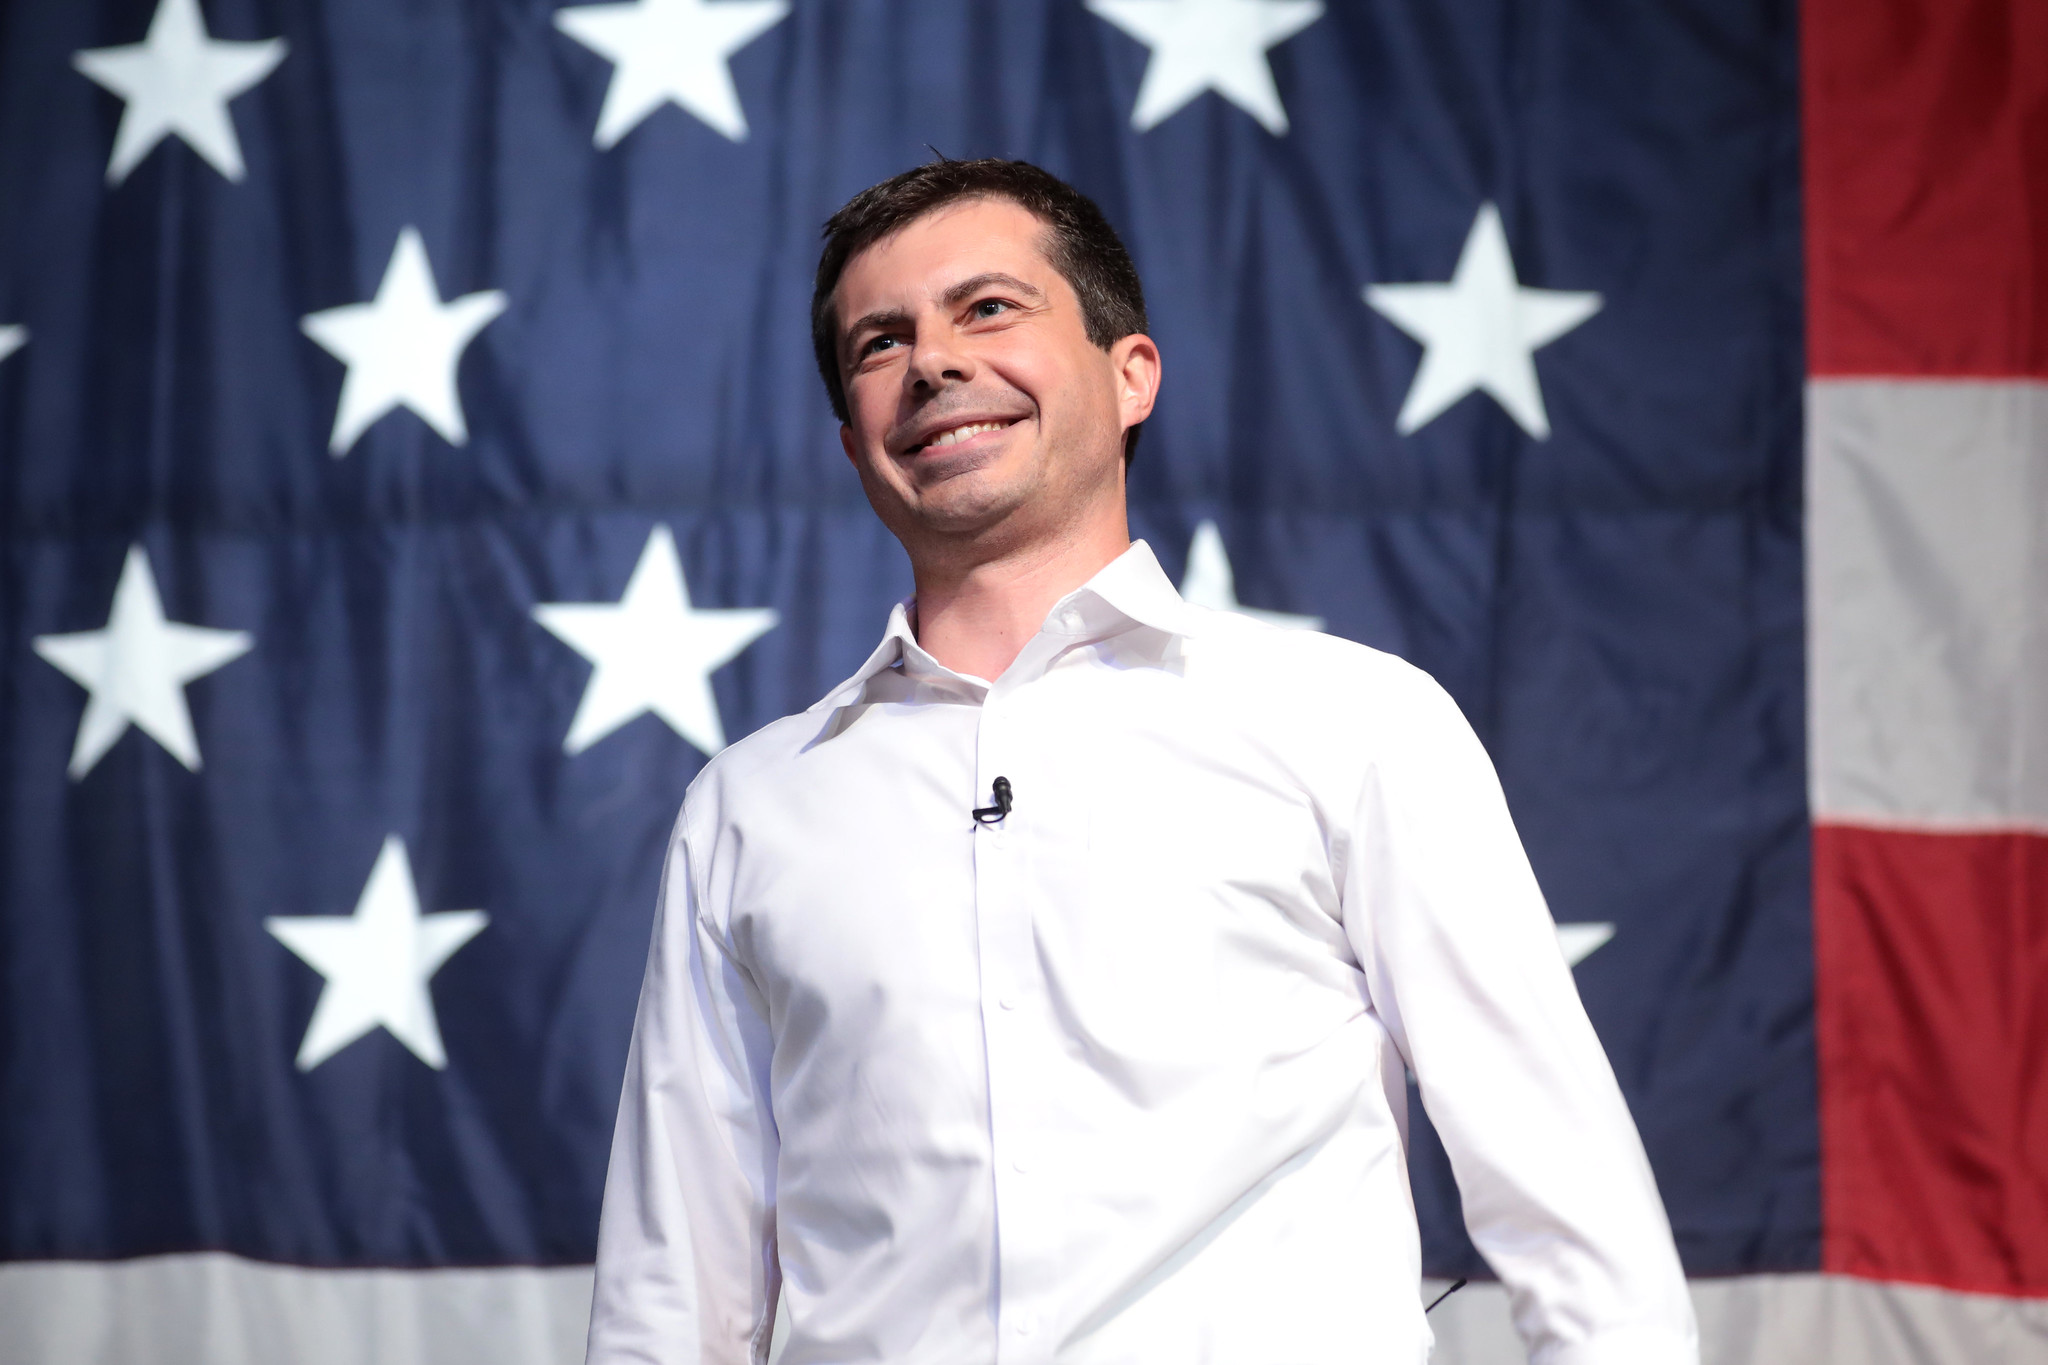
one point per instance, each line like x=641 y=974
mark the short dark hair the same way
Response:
x=1079 y=243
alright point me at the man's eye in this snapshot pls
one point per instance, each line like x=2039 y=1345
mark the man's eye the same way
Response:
x=877 y=343
x=989 y=308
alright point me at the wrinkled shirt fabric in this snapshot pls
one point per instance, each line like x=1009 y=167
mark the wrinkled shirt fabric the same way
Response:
x=1119 y=1078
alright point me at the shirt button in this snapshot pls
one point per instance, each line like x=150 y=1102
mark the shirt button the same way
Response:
x=1018 y=1165
x=1026 y=1325
x=1006 y=1003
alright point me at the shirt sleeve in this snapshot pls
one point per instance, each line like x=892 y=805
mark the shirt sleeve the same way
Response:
x=1462 y=961
x=686 y=1265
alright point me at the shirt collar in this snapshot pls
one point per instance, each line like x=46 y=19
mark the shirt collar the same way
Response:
x=1130 y=590
x=1132 y=587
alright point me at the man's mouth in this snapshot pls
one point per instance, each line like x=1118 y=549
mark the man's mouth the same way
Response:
x=953 y=436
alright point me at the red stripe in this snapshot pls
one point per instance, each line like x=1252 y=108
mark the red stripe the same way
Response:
x=1932 y=958
x=1926 y=145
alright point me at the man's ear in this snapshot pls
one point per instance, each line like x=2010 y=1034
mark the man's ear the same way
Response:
x=846 y=444
x=1135 y=361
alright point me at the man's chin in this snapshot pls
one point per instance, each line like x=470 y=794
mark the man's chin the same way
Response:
x=963 y=517
x=967 y=503
x=964 y=489
x=934 y=469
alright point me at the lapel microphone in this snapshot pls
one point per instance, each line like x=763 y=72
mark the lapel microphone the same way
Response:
x=988 y=815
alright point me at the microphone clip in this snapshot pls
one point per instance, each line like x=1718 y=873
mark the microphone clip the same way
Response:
x=989 y=815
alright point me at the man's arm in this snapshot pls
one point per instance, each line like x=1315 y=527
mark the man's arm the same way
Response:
x=686 y=1269
x=1462 y=960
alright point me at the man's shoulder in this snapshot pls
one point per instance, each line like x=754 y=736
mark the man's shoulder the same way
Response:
x=759 y=758
x=1331 y=709
x=1314 y=668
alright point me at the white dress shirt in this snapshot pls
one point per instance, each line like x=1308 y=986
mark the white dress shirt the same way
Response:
x=1117 y=1078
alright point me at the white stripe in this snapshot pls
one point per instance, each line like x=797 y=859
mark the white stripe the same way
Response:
x=1927 y=602
x=1790 y=1320
x=221 y=1310
x=213 y=1309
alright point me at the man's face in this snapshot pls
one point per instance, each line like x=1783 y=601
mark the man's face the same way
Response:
x=975 y=398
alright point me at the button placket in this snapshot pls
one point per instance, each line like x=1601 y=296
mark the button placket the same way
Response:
x=1004 y=921
x=995 y=891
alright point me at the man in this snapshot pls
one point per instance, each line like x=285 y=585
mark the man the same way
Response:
x=1044 y=992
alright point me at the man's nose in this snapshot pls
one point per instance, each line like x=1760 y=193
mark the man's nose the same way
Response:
x=936 y=360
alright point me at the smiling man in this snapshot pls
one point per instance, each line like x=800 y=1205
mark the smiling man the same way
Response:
x=1045 y=992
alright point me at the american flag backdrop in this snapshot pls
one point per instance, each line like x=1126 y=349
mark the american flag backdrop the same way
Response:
x=412 y=466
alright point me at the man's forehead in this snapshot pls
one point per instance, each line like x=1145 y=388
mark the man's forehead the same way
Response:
x=933 y=254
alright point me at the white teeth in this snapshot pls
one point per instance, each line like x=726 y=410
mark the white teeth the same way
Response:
x=959 y=434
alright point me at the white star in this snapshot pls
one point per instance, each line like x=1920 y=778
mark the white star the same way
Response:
x=1209 y=582
x=1200 y=45
x=663 y=50
x=1480 y=331
x=12 y=339
x=178 y=81
x=402 y=348
x=136 y=667
x=377 y=963
x=652 y=651
x=1580 y=941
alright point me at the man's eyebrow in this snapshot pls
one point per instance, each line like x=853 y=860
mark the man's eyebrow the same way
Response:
x=884 y=318
x=879 y=320
x=962 y=291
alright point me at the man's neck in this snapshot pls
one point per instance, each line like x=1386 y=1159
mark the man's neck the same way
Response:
x=975 y=618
